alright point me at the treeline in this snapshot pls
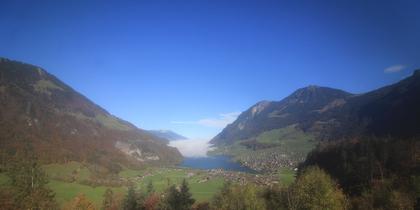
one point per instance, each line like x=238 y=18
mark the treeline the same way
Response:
x=174 y=198
x=28 y=185
x=313 y=189
x=375 y=173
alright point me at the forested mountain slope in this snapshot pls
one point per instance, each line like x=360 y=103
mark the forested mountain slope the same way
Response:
x=40 y=112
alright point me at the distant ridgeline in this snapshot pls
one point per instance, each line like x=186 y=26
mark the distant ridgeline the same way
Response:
x=273 y=134
x=40 y=112
x=167 y=134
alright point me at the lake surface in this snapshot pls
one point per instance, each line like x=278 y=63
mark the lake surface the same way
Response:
x=214 y=162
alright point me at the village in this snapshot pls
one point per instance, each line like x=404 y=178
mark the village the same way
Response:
x=203 y=176
x=269 y=162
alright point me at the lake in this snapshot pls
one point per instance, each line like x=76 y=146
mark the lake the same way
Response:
x=214 y=162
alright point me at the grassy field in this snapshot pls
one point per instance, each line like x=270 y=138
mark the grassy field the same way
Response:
x=65 y=192
x=65 y=182
x=130 y=173
x=287 y=176
x=162 y=178
x=288 y=139
x=73 y=169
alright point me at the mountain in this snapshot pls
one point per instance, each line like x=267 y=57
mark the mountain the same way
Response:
x=296 y=109
x=167 y=134
x=283 y=132
x=40 y=112
x=390 y=111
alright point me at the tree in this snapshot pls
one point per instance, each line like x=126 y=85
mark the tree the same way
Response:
x=315 y=190
x=178 y=199
x=201 y=206
x=130 y=201
x=238 y=197
x=29 y=182
x=6 y=199
x=221 y=199
x=109 y=202
x=276 y=197
x=185 y=196
x=80 y=202
x=382 y=195
x=150 y=188
x=152 y=201
x=172 y=199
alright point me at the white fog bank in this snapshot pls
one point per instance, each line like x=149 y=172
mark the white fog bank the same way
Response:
x=192 y=147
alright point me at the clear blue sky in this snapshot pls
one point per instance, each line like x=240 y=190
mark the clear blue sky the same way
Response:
x=180 y=64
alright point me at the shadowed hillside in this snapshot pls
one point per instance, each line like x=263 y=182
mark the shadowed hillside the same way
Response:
x=274 y=134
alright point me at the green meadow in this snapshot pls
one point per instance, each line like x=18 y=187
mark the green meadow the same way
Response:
x=67 y=181
x=287 y=176
x=65 y=191
x=164 y=177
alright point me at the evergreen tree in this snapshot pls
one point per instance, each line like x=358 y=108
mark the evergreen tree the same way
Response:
x=172 y=199
x=150 y=188
x=178 y=199
x=130 y=201
x=186 y=200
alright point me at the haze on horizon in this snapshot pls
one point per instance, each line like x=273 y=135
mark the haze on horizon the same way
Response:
x=193 y=66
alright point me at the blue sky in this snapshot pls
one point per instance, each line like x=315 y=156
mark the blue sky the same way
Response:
x=192 y=66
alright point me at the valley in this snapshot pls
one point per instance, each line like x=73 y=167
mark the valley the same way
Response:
x=210 y=105
x=80 y=154
x=72 y=179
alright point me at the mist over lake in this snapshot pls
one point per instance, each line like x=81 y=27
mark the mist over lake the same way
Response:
x=192 y=147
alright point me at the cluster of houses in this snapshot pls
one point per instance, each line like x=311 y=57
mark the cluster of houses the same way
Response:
x=269 y=162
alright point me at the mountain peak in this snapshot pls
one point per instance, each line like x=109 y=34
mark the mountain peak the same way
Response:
x=317 y=94
x=313 y=88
